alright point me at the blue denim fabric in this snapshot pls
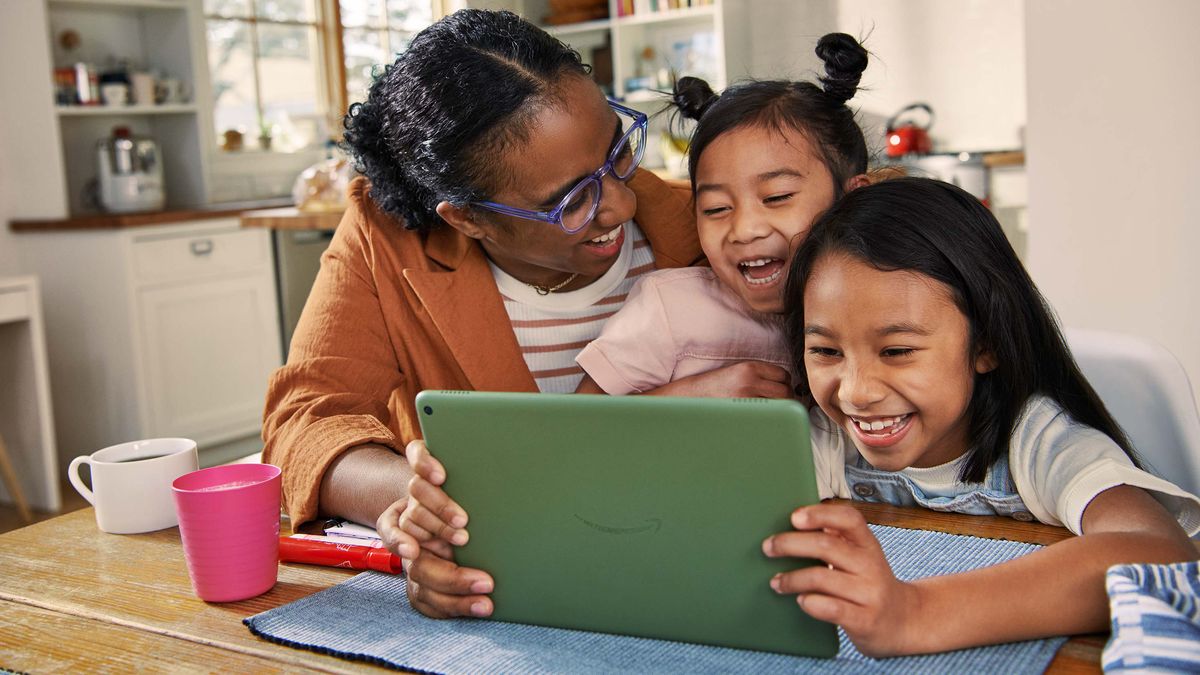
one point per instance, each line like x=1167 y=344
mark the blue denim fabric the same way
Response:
x=1155 y=613
x=368 y=618
x=995 y=496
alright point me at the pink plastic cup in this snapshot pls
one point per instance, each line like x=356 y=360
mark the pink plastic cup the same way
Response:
x=229 y=522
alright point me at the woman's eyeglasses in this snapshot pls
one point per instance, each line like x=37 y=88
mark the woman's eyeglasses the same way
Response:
x=580 y=204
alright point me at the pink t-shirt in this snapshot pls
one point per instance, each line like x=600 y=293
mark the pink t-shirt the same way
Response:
x=677 y=323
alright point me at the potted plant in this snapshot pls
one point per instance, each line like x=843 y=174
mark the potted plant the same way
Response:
x=265 y=130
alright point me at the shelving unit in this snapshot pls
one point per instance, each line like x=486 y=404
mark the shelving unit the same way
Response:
x=124 y=111
x=155 y=35
x=718 y=47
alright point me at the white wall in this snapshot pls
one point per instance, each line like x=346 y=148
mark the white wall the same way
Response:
x=783 y=35
x=963 y=57
x=8 y=242
x=1113 y=160
x=31 y=169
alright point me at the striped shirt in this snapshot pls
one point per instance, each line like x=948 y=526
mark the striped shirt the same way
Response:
x=551 y=329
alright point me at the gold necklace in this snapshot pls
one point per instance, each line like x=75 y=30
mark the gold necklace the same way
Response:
x=547 y=290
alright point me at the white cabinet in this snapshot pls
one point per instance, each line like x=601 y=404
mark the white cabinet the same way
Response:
x=168 y=330
x=160 y=36
x=644 y=50
x=26 y=420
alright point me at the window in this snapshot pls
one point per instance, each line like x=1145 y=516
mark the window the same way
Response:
x=284 y=71
x=373 y=32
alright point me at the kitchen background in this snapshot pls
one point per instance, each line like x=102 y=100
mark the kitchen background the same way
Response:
x=1097 y=94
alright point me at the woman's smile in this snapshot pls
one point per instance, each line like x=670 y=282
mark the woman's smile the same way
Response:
x=608 y=244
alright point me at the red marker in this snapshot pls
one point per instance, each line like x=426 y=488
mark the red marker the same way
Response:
x=302 y=549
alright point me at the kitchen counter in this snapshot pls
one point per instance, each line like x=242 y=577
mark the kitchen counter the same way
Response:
x=291 y=218
x=111 y=221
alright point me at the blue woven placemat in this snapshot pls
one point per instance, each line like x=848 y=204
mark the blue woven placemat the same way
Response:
x=368 y=618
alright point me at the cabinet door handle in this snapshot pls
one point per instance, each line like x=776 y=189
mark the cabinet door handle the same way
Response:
x=201 y=247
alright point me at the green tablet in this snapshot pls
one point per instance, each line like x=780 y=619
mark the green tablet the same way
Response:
x=637 y=515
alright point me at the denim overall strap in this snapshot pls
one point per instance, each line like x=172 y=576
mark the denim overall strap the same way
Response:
x=995 y=496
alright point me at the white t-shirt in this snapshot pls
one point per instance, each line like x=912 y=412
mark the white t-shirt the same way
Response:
x=1057 y=464
x=551 y=329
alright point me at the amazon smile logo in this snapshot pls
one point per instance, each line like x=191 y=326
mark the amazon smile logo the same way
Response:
x=650 y=524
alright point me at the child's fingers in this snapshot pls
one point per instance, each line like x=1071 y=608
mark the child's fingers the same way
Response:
x=827 y=608
x=423 y=463
x=846 y=520
x=829 y=595
x=828 y=547
x=435 y=500
x=821 y=580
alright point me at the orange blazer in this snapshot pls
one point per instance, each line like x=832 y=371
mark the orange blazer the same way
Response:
x=392 y=313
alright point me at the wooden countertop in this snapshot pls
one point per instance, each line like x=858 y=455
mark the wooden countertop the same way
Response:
x=111 y=221
x=291 y=218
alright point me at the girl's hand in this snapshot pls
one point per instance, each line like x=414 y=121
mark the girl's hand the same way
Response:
x=423 y=529
x=856 y=588
x=745 y=379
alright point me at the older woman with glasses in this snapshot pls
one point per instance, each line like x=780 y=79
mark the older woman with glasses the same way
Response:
x=500 y=220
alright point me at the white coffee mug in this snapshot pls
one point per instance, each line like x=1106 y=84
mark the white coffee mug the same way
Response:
x=171 y=90
x=115 y=93
x=131 y=483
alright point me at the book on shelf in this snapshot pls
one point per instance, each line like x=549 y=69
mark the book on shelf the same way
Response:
x=643 y=7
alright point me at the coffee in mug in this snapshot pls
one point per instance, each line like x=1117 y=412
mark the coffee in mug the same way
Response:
x=131 y=483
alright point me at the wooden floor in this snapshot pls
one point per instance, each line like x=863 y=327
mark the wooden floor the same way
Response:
x=10 y=519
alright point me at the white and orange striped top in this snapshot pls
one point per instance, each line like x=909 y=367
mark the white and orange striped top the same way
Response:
x=551 y=329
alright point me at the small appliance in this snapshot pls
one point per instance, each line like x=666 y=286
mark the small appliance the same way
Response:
x=131 y=176
x=909 y=138
x=964 y=169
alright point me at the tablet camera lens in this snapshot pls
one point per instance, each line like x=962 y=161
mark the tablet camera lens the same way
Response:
x=428 y=410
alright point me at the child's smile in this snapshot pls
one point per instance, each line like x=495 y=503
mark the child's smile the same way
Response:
x=888 y=358
x=758 y=191
x=880 y=432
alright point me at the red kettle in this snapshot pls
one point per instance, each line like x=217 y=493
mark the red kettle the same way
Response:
x=909 y=138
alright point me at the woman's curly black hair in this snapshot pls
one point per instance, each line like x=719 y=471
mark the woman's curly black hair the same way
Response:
x=436 y=120
x=818 y=112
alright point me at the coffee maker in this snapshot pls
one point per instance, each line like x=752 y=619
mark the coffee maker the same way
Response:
x=131 y=177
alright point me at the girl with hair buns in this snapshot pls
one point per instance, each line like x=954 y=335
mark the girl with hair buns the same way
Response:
x=766 y=158
x=501 y=219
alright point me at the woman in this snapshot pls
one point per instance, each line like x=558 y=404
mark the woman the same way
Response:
x=500 y=221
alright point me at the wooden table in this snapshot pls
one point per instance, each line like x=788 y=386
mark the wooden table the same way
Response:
x=73 y=598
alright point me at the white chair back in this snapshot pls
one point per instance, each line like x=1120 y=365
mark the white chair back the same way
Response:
x=1147 y=390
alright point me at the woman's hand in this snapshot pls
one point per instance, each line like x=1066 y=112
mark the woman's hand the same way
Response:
x=855 y=588
x=423 y=529
x=744 y=379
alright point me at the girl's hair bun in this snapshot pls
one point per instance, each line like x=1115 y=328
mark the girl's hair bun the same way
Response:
x=693 y=96
x=845 y=60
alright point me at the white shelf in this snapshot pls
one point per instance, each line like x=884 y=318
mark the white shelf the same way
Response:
x=646 y=96
x=581 y=27
x=666 y=15
x=124 y=110
x=121 y=4
x=163 y=35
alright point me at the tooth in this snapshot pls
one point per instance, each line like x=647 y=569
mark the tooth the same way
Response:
x=865 y=426
x=876 y=425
